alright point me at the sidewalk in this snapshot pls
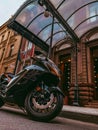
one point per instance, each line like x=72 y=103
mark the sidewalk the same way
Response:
x=80 y=113
x=72 y=112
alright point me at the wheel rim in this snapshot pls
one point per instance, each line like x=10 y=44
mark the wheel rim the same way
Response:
x=43 y=102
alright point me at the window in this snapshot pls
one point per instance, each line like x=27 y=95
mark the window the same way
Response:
x=11 y=50
x=15 y=33
x=93 y=11
x=65 y=67
x=2 y=39
x=2 y=53
x=8 y=34
x=5 y=69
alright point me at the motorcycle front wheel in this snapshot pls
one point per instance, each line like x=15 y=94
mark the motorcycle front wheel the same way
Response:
x=43 y=105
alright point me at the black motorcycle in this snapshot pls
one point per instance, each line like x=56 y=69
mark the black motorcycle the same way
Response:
x=34 y=89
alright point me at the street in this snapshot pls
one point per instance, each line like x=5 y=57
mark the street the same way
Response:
x=13 y=119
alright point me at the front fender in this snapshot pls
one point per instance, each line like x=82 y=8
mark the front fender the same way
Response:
x=49 y=79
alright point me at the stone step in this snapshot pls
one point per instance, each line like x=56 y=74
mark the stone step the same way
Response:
x=93 y=104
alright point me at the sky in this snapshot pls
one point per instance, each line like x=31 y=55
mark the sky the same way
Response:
x=8 y=8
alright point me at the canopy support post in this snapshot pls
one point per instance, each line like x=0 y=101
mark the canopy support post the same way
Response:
x=76 y=88
x=51 y=38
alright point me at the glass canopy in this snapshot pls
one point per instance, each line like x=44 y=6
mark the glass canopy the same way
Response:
x=31 y=22
x=65 y=18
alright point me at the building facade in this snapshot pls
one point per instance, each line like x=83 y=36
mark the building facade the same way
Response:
x=15 y=51
x=87 y=57
x=26 y=51
x=9 y=46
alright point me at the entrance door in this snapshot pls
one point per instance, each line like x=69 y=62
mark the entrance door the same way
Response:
x=65 y=66
x=95 y=70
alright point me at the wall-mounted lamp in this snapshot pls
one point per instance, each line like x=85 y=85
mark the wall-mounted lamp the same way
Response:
x=46 y=13
x=41 y=3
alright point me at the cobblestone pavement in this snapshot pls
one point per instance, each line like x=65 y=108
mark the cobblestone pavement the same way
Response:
x=14 y=119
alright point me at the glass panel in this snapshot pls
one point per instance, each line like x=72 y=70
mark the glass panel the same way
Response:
x=29 y=13
x=39 y=23
x=82 y=14
x=86 y=26
x=70 y=6
x=78 y=13
x=71 y=21
x=93 y=10
x=47 y=31
x=57 y=37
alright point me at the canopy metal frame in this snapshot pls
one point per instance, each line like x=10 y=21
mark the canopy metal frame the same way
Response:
x=55 y=13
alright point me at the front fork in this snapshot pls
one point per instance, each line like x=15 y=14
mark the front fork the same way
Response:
x=49 y=89
x=57 y=89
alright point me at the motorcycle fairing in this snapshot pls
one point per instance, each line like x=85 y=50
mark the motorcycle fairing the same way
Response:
x=24 y=78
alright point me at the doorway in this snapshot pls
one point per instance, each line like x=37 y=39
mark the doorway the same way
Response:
x=65 y=67
x=94 y=52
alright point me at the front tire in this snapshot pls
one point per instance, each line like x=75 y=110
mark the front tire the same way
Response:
x=43 y=109
x=1 y=102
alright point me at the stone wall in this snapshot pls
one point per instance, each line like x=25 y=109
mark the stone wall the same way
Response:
x=85 y=93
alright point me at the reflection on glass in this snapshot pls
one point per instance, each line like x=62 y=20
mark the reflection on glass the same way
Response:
x=93 y=10
x=71 y=21
x=86 y=26
x=39 y=23
x=28 y=13
x=70 y=6
x=81 y=16
x=57 y=37
x=46 y=33
x=77 y=17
